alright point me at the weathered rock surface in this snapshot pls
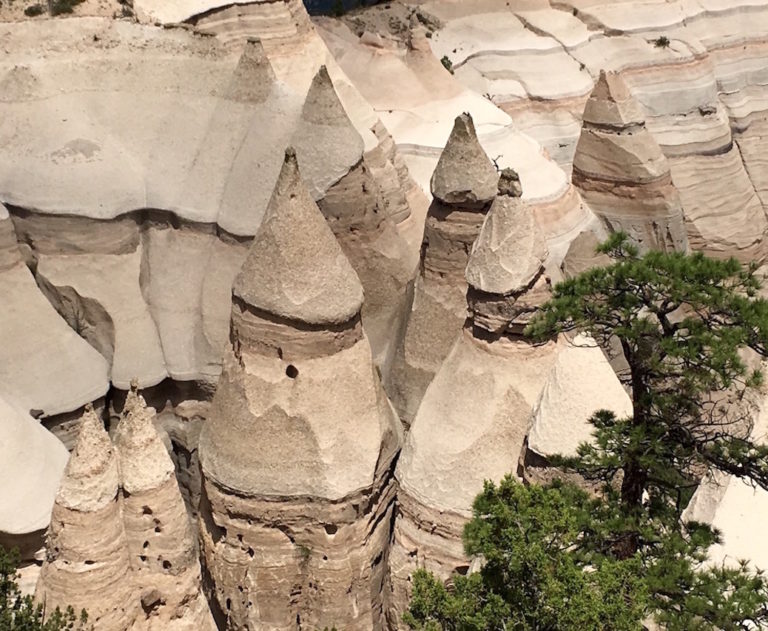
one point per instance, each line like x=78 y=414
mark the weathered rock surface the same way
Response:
x=163 y=554
x=297 y=451
x=87 y=562
x=473 y=419
x=622 y=173
x=32 y=461
x=580 y=383
x=439 y=304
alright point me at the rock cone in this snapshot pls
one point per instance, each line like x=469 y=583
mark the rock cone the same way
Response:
x=163 y=554
x=464 y=184
x=296 y=453
x=472 y=421
x=87 y=564
x=622 y=173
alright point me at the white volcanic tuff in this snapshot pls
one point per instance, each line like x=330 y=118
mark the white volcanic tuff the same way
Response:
x=418 y=101
x=32 y=461
x=86 y=563
x=580 y=383
x=472 y=421
x=113 y=282
x=190 y=139
x=44 y=364
x=298 y=413
x=91 y=477
x=622 y=172
x=158 y=531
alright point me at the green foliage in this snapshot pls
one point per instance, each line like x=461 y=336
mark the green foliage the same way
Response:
x=447 y=63
x=34 y=10
x=661 y=42
x=20 y=613
x=543 y=568
x=556 y=558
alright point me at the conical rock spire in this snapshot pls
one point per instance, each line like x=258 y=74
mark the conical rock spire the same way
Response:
x=91 y=476
x=510 y=251
x=144 y=460
x=326 y=141
x=295 y=268
x=611 y=103
x=253 y=79
x=464 y=173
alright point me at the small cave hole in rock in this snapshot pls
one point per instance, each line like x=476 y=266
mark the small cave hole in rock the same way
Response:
x=462 y=569
x=292 y=371
x=240 y=538
x=143 y=559
x=146 y=545
x=89 y=562
x=330 y=529
x=146 y=510
x=251 y=552
x=167 y=565
x=325 y=557
x=229 y=604
x=158 y=529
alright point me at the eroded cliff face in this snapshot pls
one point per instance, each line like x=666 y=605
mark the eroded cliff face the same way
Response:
x=298 y=449
x=144 y=238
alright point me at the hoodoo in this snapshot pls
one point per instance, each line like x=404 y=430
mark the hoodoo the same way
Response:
x=87 y=563
x=163 y=555
x=463 y=184
x=297 y=452
x=472 y=422
x=340 y=179
x=621 y=171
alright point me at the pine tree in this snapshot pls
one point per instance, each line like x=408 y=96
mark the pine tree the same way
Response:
x=21 y=613
x=691 y=330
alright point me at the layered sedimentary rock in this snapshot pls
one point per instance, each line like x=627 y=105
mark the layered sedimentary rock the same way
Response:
x=472 y=422
x=32 y=461
x=296 y=454
x=463 y=184
x=87 y=562
x=622 y=173
x=342 y=182
x=162 y=550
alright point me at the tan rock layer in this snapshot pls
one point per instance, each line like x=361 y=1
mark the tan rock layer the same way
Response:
x=423 y=537
x=270 y=335
x=281 y=563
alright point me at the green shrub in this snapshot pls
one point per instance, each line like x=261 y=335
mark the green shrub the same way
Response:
x=34 y=10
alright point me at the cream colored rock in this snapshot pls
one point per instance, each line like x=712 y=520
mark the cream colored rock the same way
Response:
x=580 y=383
x=32 y=462
x=87 y=563
x=350 y=188
x=623 y=174
x=439 y=304
x=297 y=452
x=163 y=554
x=472 y=422
x=10 y=254
x=283 y=275
x=510 y=251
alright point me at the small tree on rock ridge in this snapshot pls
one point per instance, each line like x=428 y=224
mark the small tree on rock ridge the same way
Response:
x=687 y=325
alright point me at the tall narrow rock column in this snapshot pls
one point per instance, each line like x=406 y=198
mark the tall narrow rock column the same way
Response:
x=87 y=563
x=622 y=173
x=463 y=186
x=472 y=422
x=163 y=554
x=298 y=449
